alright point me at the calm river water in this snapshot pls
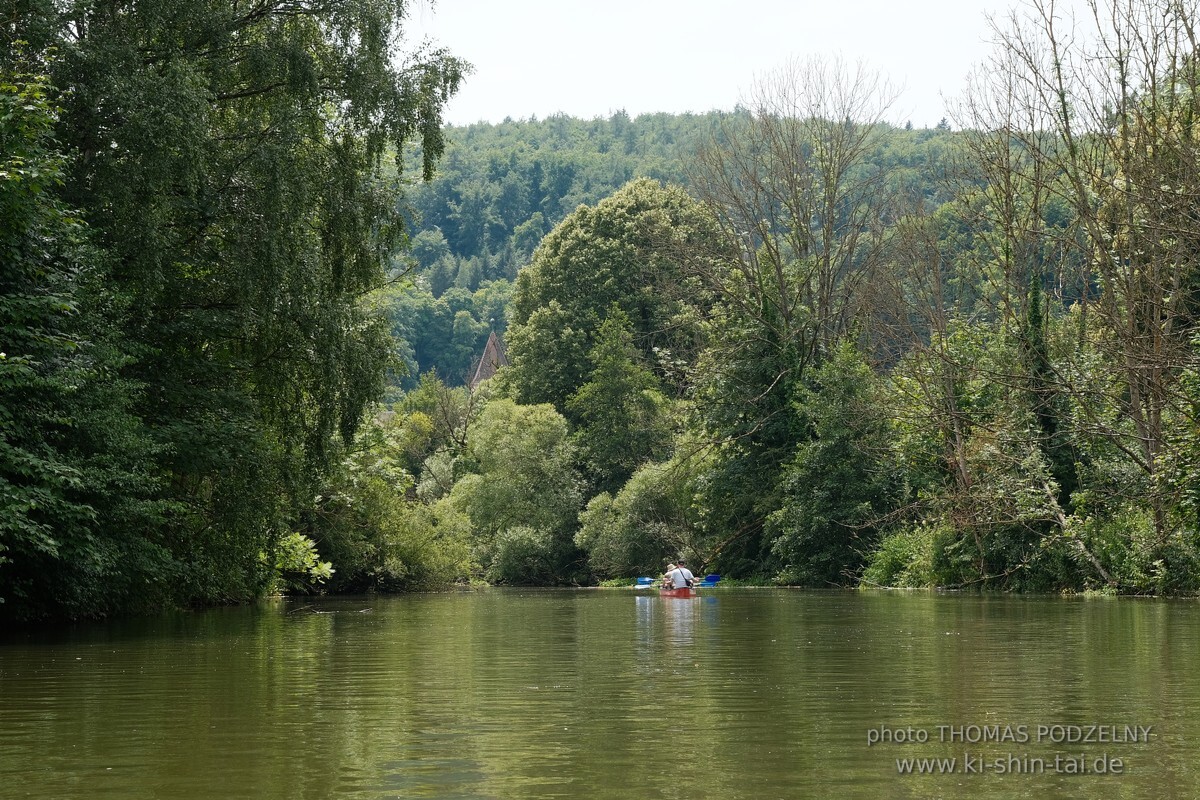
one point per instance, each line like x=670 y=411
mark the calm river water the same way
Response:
x=612 y=694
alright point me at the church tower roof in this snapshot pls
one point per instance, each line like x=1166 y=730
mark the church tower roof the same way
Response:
x=494 y=357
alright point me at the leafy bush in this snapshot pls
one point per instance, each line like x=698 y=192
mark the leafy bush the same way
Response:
x=298 y=567
x=376 y=536
x=1127 y=544
x=906 y=557
x=650 y=520
x=519 y=477
x=524 y=555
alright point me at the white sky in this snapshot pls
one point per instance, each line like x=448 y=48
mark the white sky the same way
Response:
x=588 y=58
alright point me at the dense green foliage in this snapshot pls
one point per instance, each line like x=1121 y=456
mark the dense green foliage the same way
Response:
x=792 y=342
x=366 y=523
x=196 y=197
x=521 y=493
x=503 y=187
x=616 y=256
x=442 y=334
x=78 y=502
x=841 y=481
x=499 y=191
x=621 y=414
x=839 y=351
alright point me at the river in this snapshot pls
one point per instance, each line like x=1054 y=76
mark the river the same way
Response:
x=736 y=693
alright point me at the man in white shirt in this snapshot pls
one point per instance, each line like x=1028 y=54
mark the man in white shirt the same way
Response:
x=679 y=576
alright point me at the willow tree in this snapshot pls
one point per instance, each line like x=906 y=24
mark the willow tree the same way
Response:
x=232 y=161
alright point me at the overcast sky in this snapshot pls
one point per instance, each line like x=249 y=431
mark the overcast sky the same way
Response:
x=588 y=58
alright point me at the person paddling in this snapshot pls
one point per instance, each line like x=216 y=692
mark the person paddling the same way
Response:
x=678 y=576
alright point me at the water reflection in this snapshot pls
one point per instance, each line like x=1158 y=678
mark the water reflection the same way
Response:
x=671 y=622
x=680 y=613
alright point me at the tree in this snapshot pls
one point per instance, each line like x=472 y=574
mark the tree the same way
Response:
x=652 y=518
x=441 y=275
x=521 y=493
x=37 y=480
x=428 y=247
x=375 y=535
x=622 y=252
x=1114 y=116
x=841 y=485
x=76 y=510
x=547 y=355
x=232 y=163
x=620 y=411
x=800 y=206
x=799 y=202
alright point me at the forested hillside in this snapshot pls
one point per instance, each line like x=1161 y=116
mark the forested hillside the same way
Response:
x=499 y=190
x=816 y=348
x=793 y=342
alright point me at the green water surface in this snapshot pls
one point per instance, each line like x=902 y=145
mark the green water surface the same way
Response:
x=737 y=693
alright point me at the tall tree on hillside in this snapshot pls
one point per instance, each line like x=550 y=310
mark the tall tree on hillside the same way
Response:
x=622 y=253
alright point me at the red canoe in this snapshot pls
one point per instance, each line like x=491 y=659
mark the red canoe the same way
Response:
x=684 y=592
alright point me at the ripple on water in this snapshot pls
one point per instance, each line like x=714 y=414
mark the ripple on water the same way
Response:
x=734 y=694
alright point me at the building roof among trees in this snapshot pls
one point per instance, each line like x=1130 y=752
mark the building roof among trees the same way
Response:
x=494 y=357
